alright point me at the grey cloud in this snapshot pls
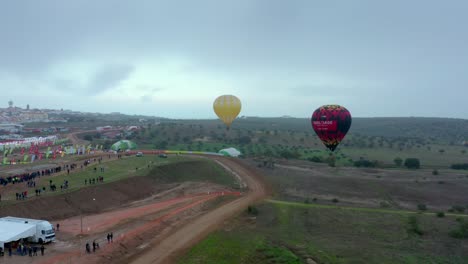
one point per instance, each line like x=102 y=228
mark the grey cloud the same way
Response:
x=404 y=47
x=146 y=98
x=109 y=77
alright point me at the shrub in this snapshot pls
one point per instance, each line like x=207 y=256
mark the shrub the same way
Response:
x=440 y=182
x=398 y=161
x=460 y=166
x=458 y=208
x=252 y=210
x=414 y=227
x=364 y=163
x=306 y=201
x=435 y=172
x=462 y=231
x=422 y=207
x=335 y=200
x=315 y=199
x=412 y=163
x=440 y=214
x=384 y=204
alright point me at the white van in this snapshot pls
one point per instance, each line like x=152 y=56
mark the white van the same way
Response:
x=37 y=231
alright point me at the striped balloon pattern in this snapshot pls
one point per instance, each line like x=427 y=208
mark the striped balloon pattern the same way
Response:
x=227 y=108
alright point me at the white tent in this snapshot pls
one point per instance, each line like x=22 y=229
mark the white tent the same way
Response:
x=231 y=152
x=13 y=231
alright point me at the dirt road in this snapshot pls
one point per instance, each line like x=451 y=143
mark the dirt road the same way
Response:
x=176 y=243
x=153 y=231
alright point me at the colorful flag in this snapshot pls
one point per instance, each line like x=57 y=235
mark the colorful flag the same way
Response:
x=47 y=153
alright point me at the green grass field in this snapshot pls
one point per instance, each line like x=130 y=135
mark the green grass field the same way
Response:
x=194 y=169
x=113 y=171
x=291 y=233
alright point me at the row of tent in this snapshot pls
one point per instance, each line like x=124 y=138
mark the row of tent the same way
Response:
x=123 y=145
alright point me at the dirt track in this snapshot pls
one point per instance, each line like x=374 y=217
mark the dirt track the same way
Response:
x=179 y=241
x=152 y=230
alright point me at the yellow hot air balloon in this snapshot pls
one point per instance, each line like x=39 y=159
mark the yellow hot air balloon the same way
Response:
x=227 y=107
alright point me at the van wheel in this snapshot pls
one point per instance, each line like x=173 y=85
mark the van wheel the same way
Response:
x=41 y=241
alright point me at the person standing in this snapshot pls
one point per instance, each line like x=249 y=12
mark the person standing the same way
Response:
x=108 y=238
x=42 y=250
x=112 y=237
x=35 y=251
x=94 y=246
x=87 y=248
x=58 y=226
x=25 y=250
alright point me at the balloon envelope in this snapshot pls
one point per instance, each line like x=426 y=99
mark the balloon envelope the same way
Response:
x=227 y=108
x=331 y=123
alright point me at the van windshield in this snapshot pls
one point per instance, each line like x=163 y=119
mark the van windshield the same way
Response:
x=50 y=231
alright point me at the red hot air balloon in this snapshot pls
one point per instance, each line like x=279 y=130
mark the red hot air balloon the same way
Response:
x=331 y=123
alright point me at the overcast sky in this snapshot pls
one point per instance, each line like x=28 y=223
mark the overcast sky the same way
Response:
x=173 y=58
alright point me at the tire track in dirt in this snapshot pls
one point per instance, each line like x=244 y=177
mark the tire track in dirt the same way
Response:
x=76 y=255
x=179 y=241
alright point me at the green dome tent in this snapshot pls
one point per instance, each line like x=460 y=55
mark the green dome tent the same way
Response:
x=123 y=145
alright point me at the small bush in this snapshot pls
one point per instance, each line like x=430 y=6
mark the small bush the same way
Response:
x=440 y=182
x=412 y=163
x=422 y=207
x=414 y=227
x=461 y=232
x=440 y=214
x=458 y=208
x=384 y=204
x=460 y=166
x=335 y=200
x=435 y=172
x=306 y=201
x=365 y=163
x=315 y=199
x=252 y=210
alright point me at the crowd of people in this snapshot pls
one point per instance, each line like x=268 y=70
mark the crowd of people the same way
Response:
x=22 y=249
x=94 y=180
x=29 y=176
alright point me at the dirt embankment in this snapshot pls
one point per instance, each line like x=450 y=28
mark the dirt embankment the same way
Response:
x=88 y=200
x=167 y=249
x=101 y=197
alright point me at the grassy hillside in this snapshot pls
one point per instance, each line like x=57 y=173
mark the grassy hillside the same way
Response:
x=294 y=233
